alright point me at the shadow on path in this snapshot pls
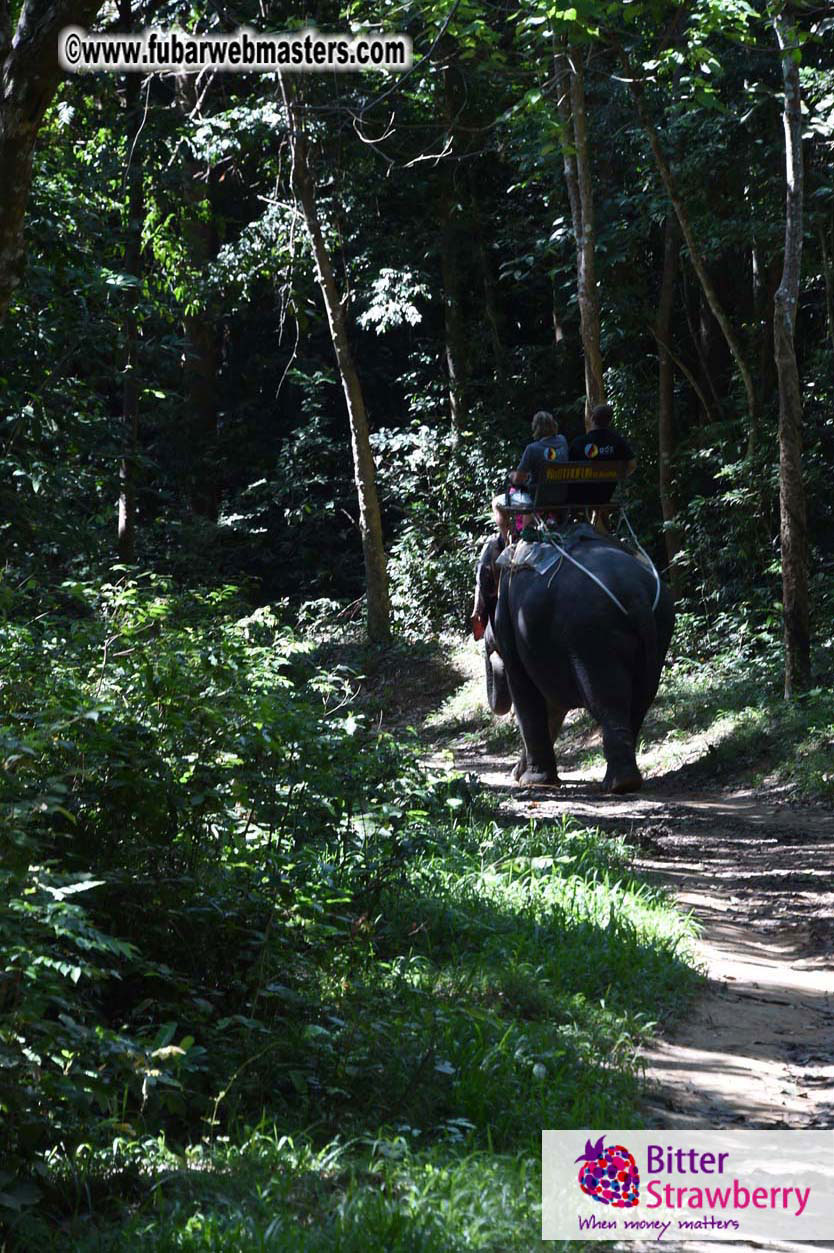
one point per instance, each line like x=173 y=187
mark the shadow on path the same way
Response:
x=758 y=875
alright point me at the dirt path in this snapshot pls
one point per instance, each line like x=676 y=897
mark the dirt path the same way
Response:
x=757 y=873
x=758 y=1048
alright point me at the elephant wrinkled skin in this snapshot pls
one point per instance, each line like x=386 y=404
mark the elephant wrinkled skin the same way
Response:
x=559 y=642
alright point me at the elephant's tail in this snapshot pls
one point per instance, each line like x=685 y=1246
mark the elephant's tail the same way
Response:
x=647 y=634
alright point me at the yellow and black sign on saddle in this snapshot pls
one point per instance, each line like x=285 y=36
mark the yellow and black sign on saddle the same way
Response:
x=561 y=487
x=557 y=522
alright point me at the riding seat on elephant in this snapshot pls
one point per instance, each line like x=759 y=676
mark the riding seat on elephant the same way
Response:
x=590 y=632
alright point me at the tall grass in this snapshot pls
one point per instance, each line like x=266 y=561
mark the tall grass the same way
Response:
x=500 y=987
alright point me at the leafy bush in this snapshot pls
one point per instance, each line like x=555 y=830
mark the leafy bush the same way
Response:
x=181 y=788
x=443 y=483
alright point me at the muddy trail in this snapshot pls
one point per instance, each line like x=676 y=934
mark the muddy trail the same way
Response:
x=756 y=1050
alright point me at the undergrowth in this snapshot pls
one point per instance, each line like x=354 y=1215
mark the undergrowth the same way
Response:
x=721 y=716
x=267 y=982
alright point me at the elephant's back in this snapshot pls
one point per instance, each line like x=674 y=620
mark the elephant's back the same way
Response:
x=628 y=577
x=587 y=625
x=596 y=590
x=644 y=600
x=595 y=578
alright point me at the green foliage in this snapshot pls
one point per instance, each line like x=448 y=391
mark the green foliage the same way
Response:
x=173 y=770
x=393 y=294
x=271 y=1189
x=221 y=880
x=447 y=482
x=293 y=530
x=425 y=1017
x=227 y=896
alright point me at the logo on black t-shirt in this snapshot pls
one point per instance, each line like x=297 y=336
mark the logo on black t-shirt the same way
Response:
x=594 y=450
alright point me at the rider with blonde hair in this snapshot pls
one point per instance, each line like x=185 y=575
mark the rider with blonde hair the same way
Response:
x=548 y=446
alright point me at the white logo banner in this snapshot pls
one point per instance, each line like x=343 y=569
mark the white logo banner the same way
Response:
x=687 y=1185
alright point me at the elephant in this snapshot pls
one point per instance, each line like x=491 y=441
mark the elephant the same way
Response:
x=560 y=641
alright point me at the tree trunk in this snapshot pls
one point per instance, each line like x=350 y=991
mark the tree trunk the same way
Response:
x=454 y=332
x=766 y=382
x=556 y=316
x=710 y=408
x=29 y=76
x=133 y=268
x=829 y=283
x=452 y=241
x=794 y=533
x=585 y=245
x=570 y=92
x=666 y=395
x=563 y=105
x=200 y=327
x=696 y=257
x=370 y=522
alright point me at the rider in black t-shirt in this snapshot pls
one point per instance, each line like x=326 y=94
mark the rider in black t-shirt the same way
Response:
x=601 y=443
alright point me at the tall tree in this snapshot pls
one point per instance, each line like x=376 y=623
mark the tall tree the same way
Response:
x=793 y=526
x=570 y=88
x=696 y=256
x=370 y=522
x=666 y=392
x=452 y=238
x=29 y=76
x=134 y=214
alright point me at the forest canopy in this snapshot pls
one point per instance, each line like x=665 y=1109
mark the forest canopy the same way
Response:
x=554 y=206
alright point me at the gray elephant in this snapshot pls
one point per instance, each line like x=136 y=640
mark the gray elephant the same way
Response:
x=591 y=632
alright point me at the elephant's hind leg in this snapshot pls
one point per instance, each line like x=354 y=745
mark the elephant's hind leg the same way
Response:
x=612 y=709
x=537 y=763
x=555 y=717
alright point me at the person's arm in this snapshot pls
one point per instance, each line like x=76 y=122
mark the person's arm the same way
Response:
x=521 y=476
x=479 y=617
x=631 y=467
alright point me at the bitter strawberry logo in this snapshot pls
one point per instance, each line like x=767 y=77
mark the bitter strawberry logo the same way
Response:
x=609 y=1175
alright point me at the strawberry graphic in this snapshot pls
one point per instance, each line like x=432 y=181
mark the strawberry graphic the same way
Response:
x=609 y=1175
